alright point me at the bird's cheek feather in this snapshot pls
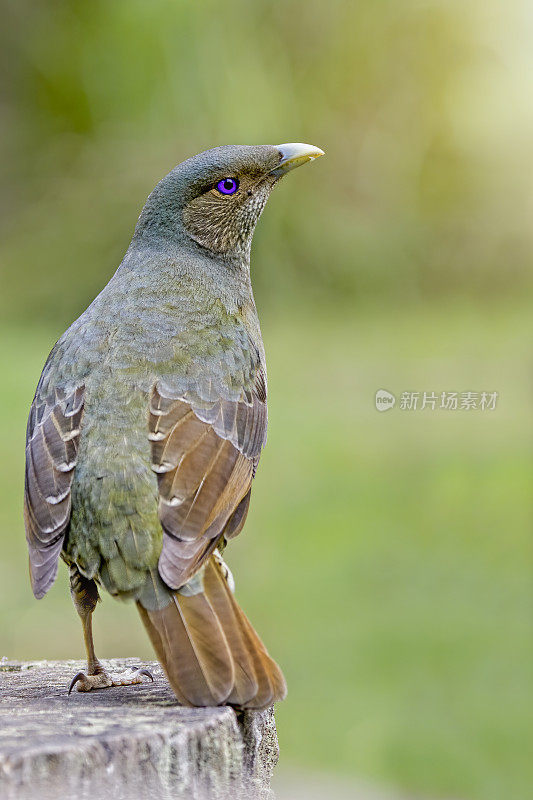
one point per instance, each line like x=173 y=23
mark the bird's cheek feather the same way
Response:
x=224 y=224
x=210 y=220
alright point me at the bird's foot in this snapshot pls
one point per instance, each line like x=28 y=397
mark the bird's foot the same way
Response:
x=103 y=680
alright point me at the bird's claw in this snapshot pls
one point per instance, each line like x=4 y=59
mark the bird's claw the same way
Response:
x=102 y=680
x=75 y=679
x=143 y=671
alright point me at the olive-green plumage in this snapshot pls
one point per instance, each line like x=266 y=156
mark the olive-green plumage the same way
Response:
x=148 y=421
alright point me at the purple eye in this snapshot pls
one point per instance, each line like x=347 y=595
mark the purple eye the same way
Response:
x=228 y=185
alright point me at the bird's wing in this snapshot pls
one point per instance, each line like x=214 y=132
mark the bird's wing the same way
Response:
x=51 y=452
x=205 y=456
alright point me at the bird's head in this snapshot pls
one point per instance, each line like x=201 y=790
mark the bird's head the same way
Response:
x=215 y=198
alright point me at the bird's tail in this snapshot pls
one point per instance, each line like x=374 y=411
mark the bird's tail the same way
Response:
x=208 y=648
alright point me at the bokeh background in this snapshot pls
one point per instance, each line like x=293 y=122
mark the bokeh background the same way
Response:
x=386 y=560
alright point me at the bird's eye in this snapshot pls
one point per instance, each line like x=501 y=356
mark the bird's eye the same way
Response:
x=228 y=185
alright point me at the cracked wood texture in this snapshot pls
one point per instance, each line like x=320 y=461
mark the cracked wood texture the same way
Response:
x=126 y=742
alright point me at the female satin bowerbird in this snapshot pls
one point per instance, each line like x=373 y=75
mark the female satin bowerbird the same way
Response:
x=147 y=426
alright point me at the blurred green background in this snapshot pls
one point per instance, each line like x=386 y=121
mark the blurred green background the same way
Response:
x=386 y=560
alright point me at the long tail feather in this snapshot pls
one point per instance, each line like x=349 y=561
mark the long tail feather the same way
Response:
x=208 y=648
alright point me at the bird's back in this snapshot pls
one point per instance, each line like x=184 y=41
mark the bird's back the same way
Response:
x=136 y=333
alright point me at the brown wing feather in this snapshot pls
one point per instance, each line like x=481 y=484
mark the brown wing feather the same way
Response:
x=205 y=457
x=51 y=452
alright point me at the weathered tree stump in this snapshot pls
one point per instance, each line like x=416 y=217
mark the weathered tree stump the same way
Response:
x=126 y=742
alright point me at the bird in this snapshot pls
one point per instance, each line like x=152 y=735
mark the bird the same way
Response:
x=146 y=430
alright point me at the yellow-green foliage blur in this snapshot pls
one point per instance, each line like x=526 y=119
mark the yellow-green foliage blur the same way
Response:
x=385 y=560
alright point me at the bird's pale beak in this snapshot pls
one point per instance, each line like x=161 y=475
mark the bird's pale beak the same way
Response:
x=294 y=155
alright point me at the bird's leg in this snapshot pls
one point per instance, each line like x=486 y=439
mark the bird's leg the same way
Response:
x=84 y=592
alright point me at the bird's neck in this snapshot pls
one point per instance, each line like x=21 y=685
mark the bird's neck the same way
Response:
x=167 y=273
